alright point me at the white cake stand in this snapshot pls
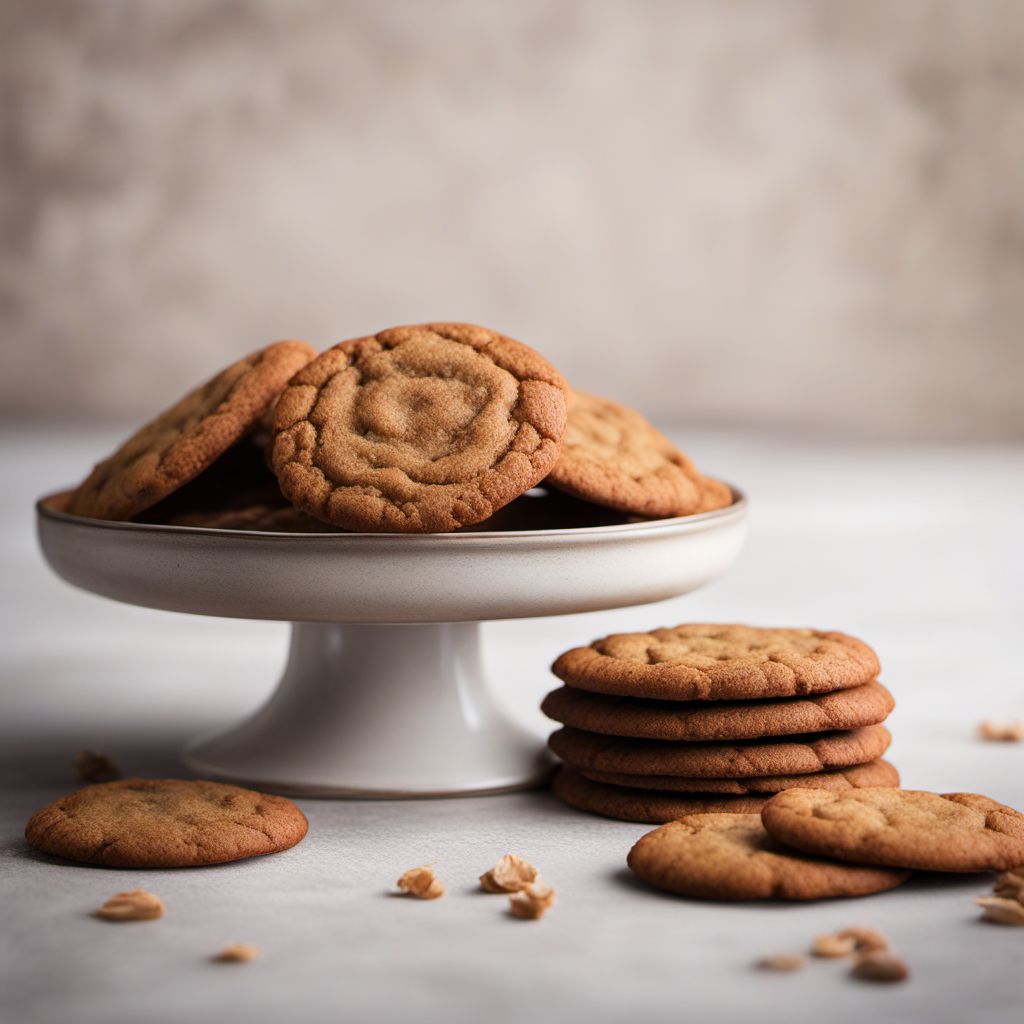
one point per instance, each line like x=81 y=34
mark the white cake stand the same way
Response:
x=383 y=694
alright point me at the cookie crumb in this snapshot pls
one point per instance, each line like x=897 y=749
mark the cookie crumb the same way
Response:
x=421 y=883
x=880 y=966
x=136 y=905
x=865 y=940
x=510 y=874
x=1010 y=885
x=93 y=767
x=781 y=962
x=832 y=946
x=1001 y=732
x=237 y=953
x=532 y=901
x=1000 y=910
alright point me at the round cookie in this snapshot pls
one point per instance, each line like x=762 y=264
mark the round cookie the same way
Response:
x=719 y=662
x=418 y=429
x=648 y=806
x=796 y=756
x=165 y=823
x=664 y=720
x=263 y=518
x=904 y=828
x=872 y=774
x=187 y=438
x=732 y=857
x=613 y=457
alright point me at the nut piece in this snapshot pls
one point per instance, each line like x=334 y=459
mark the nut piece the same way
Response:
x=781 y=962
x=93 y=767
x=880 y=967
x=237 y=953
x=833 y=945
x=1010 y=886
x=510 y=874
x=1002 y=732
x=137 y=905
x=1000 y=910
x=421 y=883
x=532 y=901
x=866 y=940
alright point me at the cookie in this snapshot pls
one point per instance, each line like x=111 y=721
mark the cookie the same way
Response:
x=645 y=805
x=165 y=823
x=418 y=429
x=798 y=755
x=719 y=662
x=666 y=720
x=613 y=457
x=263 y=518
x=904 y=828
x=732 y=857
x=861 y=776
x=186 y=439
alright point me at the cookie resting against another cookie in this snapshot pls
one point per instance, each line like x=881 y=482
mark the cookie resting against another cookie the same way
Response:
x=165 y=823
x=707 y=661
x=900 y=827
x=189 y=437
x=613 y=457
x=419 y=429
x=732 y=857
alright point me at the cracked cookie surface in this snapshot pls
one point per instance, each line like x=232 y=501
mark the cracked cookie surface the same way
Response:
x=706 y=661
x=181 y=442
x=419 y=429
x=798 y=755
x=165 y=823
x=732 y=857
x=675 y=720
x=900 y=827
x=613 y=457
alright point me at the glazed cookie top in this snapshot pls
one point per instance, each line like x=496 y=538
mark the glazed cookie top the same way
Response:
x=672 y=720
x=187 y=438
x=613 y=457
x=797 y=755
x=165 y=823
x=900 y=827
x=719 y=662
x=732 y=857
x=418 y=429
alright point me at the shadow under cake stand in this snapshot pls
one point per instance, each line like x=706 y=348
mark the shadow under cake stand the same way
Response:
x=383 y=693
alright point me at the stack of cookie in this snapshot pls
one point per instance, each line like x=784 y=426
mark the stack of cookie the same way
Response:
x=716 y=718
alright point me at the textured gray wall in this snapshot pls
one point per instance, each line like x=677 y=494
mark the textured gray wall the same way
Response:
x=800 y=214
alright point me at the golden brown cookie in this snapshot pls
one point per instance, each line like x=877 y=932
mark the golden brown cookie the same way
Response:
x=739 y=720
x=797 y=755
x=860 y=776
x=904 y=828
x=649 y=806
x=186 y=439
x=418 y=429
x=719 y=662
x=613 y=457
x=263 y=518
x=732 y=857
x=165 y=823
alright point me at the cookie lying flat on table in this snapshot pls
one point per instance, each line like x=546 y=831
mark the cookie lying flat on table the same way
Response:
x=418 y=429
x=861 y=776
x=613 y=457
x=189 y=437
x=719 y=662
x=732 y=857
x=644 y=805
x=165 y=823
x=665 y=720
x=904 y=828
x=796 y=755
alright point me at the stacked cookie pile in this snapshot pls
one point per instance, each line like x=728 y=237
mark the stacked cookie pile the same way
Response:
x=421 y=429
x=716 y=718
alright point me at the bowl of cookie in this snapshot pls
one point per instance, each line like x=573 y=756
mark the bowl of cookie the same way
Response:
x=386 y=496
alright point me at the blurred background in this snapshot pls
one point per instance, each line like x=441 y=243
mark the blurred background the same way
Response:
x=796 y=215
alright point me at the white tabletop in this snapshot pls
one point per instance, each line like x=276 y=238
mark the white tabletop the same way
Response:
x=916 y=549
